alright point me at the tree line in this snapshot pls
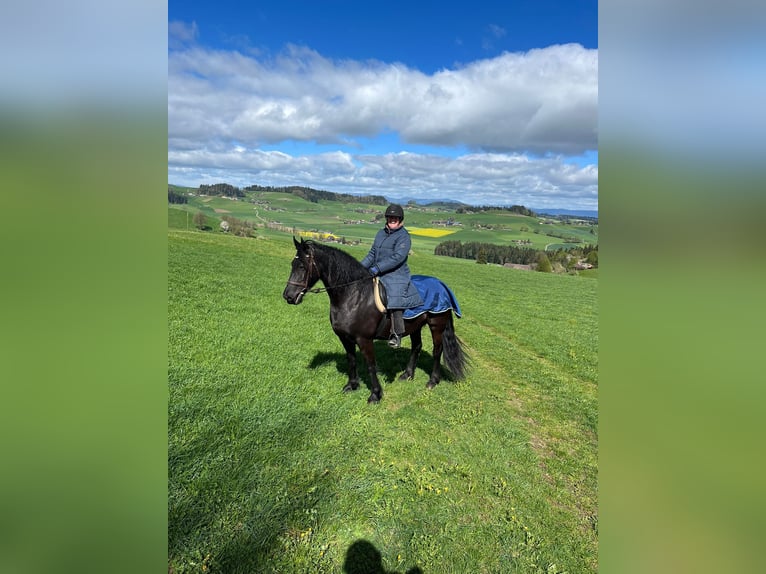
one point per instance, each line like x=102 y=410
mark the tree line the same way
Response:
x=315 y=195
x=502 y=254
x=224 y=189
x=520 y=209
x=175 y=197
x=499 y=254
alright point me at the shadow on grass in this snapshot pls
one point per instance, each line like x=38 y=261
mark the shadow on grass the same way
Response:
x=390 y=364
x=363 y=558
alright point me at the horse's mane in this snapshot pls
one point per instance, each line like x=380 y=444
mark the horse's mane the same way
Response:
x=343 y=266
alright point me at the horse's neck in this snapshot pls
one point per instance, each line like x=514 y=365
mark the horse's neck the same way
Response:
x=336 y=273
x=325 y=267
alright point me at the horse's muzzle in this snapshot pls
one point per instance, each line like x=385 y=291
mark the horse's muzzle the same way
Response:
x=293 y=300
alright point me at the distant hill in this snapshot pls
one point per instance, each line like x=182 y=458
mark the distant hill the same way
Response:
x=315 y=195
x=438 y=202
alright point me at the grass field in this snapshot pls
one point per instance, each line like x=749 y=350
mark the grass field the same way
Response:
x=272 y=469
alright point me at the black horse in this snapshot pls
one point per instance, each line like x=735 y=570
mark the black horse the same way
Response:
x=356 y=319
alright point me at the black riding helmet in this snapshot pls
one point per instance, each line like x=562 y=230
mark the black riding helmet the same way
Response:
x=395 y=210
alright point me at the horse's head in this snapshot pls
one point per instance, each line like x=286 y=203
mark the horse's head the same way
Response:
x=304 y=273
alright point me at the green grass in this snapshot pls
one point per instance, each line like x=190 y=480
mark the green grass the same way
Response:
x=272 y=469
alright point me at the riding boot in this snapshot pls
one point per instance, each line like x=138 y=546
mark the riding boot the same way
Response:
x=397 y=328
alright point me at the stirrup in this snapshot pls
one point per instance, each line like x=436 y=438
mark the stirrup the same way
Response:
x=395 y=341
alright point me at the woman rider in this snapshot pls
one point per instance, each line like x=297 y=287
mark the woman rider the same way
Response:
x=388 y=260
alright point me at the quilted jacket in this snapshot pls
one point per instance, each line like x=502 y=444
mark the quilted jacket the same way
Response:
x=388 y=259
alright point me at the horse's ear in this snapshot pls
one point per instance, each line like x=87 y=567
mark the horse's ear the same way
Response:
x=297 y=245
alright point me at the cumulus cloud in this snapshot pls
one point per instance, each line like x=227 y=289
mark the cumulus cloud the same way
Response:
x=540 y=101
x=477 y=179
x=224 y=107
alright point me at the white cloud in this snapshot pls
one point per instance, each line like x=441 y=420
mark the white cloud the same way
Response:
x=225 y=106
x=478 y=179
x=541 y=101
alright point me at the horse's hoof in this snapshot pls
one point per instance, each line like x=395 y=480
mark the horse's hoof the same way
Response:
x=431 y=385
x=349 y=387
x=373 y=400
x=405 y=377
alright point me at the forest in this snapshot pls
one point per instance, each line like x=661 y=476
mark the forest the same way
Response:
x=502 y=254
x=315 y=195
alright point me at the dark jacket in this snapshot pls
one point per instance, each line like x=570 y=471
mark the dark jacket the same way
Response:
x=388 y=258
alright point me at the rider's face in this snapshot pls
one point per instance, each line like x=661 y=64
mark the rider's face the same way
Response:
x=393 y=222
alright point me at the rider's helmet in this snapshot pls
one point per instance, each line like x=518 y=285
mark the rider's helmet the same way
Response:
x=395 y=210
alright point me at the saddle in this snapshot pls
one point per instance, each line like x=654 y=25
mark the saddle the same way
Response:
x=379 y=292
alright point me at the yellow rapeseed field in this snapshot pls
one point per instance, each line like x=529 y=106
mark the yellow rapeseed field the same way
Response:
x=429 y=231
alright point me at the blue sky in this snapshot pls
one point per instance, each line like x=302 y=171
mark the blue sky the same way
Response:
x=478 y=102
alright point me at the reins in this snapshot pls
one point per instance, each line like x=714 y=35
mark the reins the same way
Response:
x=305 y=284
x=323 y=289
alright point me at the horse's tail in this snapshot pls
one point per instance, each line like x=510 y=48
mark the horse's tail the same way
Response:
x=455 y=357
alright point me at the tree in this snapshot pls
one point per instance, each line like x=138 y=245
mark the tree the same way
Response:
x=482 y=256
x=543 y=263
x=175 y=197
x=200 y=220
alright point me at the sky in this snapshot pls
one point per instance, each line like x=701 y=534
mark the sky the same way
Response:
x=481 y=102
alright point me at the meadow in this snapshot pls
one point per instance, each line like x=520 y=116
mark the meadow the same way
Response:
x=272 y=469
x=353 y=221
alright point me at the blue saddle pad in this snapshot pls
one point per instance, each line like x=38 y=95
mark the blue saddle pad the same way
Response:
x=437 y=297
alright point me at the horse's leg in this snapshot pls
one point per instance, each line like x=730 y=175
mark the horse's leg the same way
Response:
x=416 y=340
x=353 y=379
x=437 y=328
x=368 y=350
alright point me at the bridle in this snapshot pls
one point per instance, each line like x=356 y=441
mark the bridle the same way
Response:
x=305 y=284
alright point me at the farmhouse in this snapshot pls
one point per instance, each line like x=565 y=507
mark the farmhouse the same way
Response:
x=445 y=222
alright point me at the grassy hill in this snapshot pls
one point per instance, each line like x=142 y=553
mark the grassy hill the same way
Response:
x=272 y=468
x=355 y=221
